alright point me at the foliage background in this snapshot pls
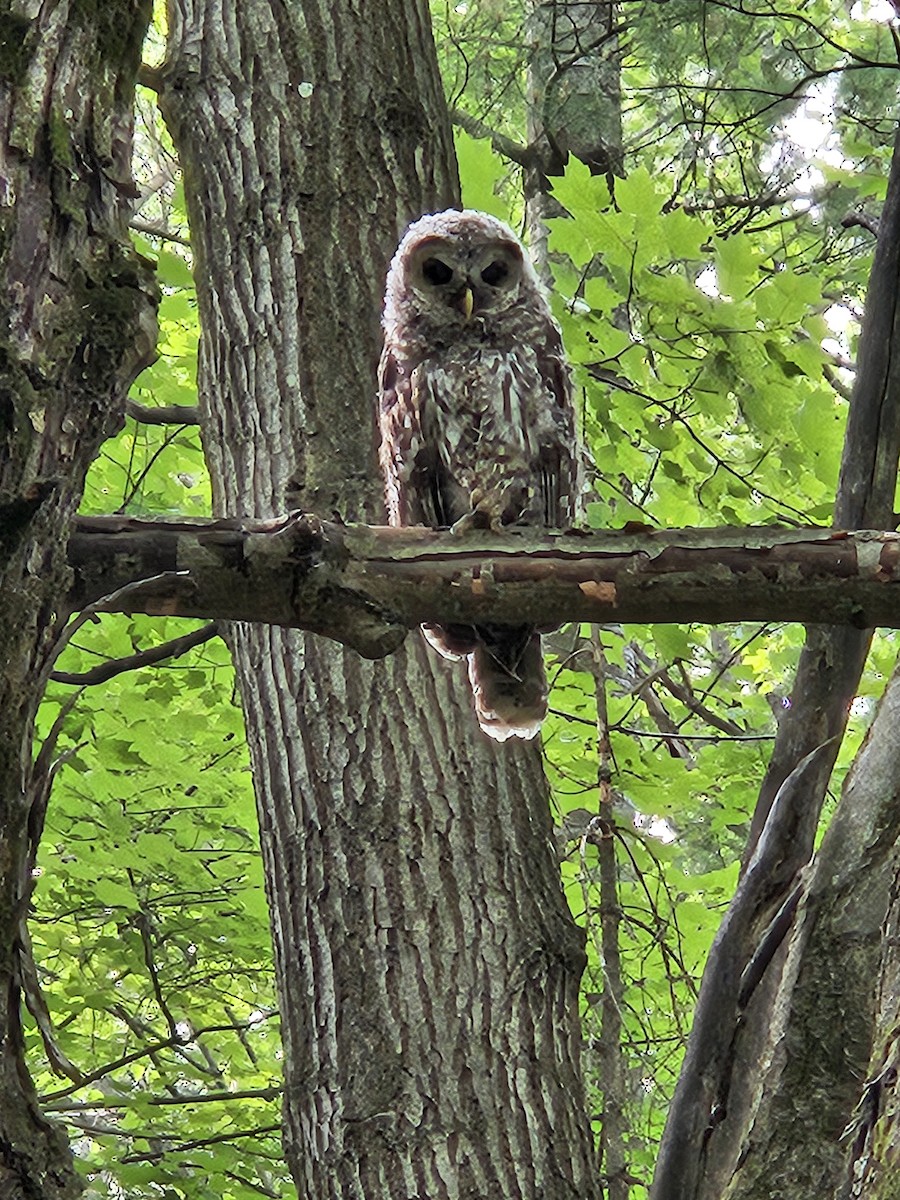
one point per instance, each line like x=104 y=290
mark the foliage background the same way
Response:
x=709 y=302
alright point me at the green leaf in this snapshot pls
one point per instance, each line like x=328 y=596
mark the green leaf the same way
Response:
x=672 y=641
x=173 y=270
x=480 y=172
x=736 y=266
x=637 y=193
x=114 y=895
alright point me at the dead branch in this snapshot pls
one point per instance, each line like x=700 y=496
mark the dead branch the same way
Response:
x=366 y=586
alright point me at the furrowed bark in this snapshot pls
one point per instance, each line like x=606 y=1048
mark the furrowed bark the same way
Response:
x=79 y=324
x=872 y=1136
x=426 y=962
x=816 y=1066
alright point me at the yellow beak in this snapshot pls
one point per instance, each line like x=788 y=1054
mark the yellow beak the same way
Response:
x=468 y=303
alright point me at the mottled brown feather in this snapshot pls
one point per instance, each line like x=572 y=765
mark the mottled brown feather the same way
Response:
x=477 y=425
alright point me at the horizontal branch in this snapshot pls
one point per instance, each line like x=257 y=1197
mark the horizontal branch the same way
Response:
x=525 y=156
x=366 y=586
x=163 y=414
x=108 y=1105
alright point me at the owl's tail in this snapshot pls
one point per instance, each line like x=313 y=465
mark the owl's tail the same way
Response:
x=506 y=671
x=509 y=683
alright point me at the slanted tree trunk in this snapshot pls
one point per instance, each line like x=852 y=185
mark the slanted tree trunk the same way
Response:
x=809 y=1077
x=427 y=964
x=873 y=1134
x=727 y=1125
x=79 y=322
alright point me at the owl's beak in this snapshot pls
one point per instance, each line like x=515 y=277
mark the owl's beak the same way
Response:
x=467 y=303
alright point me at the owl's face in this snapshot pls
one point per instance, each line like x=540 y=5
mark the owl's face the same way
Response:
x=453 y=269
x=468 y=280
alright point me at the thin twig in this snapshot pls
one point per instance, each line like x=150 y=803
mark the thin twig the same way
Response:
x=164 y=414
x=142 y=658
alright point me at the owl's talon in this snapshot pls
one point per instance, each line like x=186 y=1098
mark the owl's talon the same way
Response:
x=464 y=525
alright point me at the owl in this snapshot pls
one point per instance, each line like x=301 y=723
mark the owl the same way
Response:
x=477 y=426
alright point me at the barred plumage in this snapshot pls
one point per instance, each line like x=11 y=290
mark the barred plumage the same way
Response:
x=477 y=425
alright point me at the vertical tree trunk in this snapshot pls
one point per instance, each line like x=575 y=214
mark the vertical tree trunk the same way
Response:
x=574 y=101
x=427 y=964
x=79 y=324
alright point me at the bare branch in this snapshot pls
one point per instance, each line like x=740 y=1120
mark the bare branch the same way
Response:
x=108 y=1104
x=525 y=156
x=165 y=414
x=142 y=658
x=159 y=230
x=37 y=1006
x=863 y=219
x=367 y=586
x=216 y=1139
x=177 y=1040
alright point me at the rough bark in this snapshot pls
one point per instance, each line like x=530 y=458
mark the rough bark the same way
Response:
x=573 y=100
x=426 y=963
x=873 y=1134
x=716 y=1102
x=79 y=324
x=367 y=586
x=828 y=984
x=574 y=84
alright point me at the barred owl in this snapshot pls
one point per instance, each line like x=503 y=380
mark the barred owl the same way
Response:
x=477 y=425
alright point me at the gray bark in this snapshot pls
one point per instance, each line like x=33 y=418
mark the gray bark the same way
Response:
x=79 y=322
x=426 y=962
x=574 y=103
x=574 y=84
x=809 y=1078
x=872 y=1138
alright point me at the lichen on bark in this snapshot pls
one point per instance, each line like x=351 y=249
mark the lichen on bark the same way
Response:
x=79 y=310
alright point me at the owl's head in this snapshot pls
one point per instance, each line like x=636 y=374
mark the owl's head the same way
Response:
x=454 y=267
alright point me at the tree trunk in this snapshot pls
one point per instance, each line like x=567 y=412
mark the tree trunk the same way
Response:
x=573 y=99
x=698 y=1155
x=873 y=1135
x=80 y=323
x=808 y=1079
x=427 y=964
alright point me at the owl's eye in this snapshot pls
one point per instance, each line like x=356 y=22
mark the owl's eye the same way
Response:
x=494 y=273
x=436 y=272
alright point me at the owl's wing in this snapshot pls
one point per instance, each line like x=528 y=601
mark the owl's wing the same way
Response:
x=558 y=458
x=408 y=460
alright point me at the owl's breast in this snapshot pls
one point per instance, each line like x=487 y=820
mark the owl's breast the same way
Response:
x=483 y=415
x=480 y=402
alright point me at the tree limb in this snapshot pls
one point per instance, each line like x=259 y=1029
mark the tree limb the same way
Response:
x=525 y=156
x=163 y=414
x=142 y=658
x=181 y=1147
x=366 y=586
